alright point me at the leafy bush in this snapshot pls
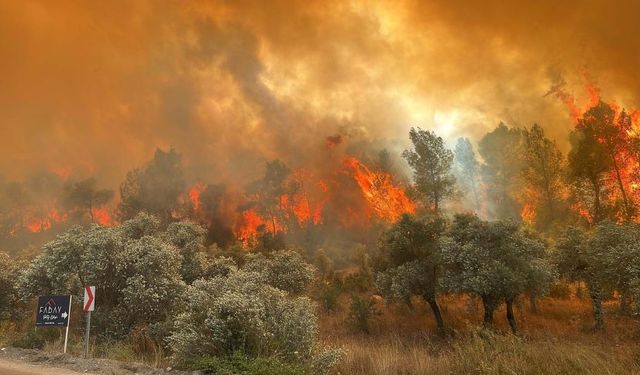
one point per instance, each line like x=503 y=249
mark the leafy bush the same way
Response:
x=8 y=292
x=285 y=270
x=327 y=360
x=135 y=267
x=361 y=312
x=241 y=312
x=189 y=239
x=329 y=296
x=35 y=339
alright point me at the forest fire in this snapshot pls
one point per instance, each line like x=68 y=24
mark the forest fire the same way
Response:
x=321 y=187
x=102 y=217
x=386 y=200
x=381 y=198
x=528 y=213
x=614 y=131
x=41 y=224
x=194 y=194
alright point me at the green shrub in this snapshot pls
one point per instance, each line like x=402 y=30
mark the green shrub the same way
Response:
x=361 y=312
x=329 y=296
x=35 y=339
x=241 y=313
x=358 y=282
x=8 y=275
x=285 y=270
x=240 y=364
x=135 y=267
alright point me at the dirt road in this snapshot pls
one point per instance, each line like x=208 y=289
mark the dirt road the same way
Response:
x=15 y=367
x=15 y=361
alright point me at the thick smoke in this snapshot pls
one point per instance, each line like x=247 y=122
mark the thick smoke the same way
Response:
x=94 y=87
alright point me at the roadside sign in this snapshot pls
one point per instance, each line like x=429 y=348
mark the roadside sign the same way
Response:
x=53 y=311
x=89 y=298
x=89 y=306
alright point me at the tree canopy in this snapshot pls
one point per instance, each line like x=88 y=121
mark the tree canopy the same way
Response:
x=410 y=260
x=153 y=189
x=431 y=162
x=496 y=261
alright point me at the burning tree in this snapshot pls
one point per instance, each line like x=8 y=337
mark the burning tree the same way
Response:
x=385 y=200
x=604 y=158
x=215 y=214
x=84 y=198
x=268 y=193
x=602 y=164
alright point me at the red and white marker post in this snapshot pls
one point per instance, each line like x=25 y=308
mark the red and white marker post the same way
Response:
x=89 y=306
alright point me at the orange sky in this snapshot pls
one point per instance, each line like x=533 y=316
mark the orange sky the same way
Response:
x=96 y=86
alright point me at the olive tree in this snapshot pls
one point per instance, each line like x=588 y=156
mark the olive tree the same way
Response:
x=410 y=261
x=496 y=261
x=620 y=245
x=604 y=259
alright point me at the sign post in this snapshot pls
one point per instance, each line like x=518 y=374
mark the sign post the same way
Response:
x=54 y=311
x=66 y=334
x=89 y=306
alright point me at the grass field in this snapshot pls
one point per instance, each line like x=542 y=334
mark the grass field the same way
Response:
x=557 y=339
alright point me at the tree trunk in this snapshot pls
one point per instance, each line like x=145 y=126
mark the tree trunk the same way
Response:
x=625 y=302
x=489 y=307
x=476 y=199
x=472 y=306
x=533 y=302
x=627 y=207
x=596 y=202
x=436 y=314
x=91 y=212
x=598 y=313
x=510 y=317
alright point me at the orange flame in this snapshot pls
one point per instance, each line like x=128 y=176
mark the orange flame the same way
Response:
x=251 y=223
x=41 y=224
x=625 y=159
x=386 y=200
x=528 y=213
x=194 y=194
x=102 y=217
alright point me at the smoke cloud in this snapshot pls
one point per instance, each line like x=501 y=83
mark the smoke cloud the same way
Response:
x=94 y=87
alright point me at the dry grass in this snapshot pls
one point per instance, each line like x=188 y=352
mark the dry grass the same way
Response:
x=558 y=339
